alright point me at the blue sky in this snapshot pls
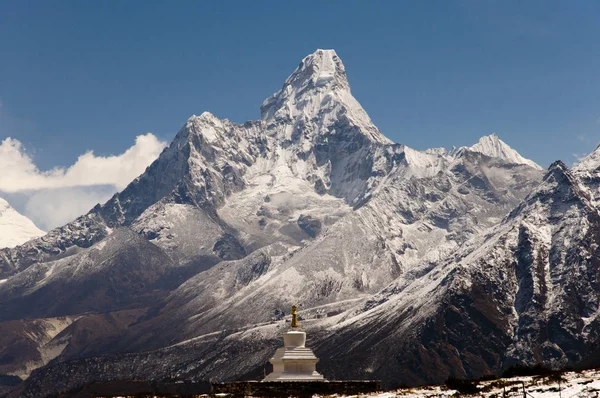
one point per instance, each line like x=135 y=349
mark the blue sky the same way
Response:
x=92 y=75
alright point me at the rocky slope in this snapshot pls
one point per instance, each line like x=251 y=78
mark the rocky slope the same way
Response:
x=418 y=264
x=525 y=291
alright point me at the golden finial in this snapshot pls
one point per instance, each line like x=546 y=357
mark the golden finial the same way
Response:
x=294 y=317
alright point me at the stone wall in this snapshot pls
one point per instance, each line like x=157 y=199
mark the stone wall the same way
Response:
x=137 y=389
x=295 y=388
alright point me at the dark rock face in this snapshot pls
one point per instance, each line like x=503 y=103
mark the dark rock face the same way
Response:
x=257 y=265
x=310 y=225
x=228 y=248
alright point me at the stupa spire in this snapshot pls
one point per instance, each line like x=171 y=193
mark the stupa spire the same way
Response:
x=294 y=317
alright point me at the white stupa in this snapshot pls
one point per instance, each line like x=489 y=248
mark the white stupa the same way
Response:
x=294 y=361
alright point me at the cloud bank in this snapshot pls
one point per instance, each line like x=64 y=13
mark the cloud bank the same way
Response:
x=18 y=172
x=49 y=208
x=54 y=197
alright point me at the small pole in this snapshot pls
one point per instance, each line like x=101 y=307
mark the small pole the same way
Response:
x=559 y=389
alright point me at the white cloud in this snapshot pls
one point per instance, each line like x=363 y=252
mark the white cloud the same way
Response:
x=18 y=172
x=55 y=197
x=50 y=208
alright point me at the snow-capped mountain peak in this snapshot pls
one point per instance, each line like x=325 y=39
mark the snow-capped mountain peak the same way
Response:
x=319 y=88
x=320 y=69
x=207 y=125
x=491 y=145
x=15 y=228
x=589 y=163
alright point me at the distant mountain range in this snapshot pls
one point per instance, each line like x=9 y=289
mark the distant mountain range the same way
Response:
x=407 y=266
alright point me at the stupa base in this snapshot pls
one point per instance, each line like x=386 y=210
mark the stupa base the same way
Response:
x=315 y=376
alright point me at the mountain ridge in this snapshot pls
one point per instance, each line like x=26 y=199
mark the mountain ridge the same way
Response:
x=309 y=206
